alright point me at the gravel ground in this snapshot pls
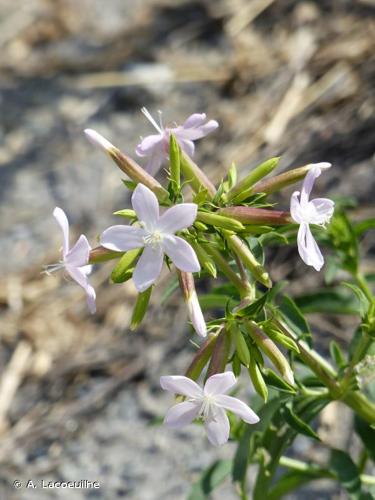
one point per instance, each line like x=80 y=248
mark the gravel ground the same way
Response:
x=296 y=80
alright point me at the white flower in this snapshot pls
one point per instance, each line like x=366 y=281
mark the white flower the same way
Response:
x=75 y=260
x=156 y=147
x=196 y=315
x=157 y=235
x=305 y=212
x=208 y=403
x=191 y=299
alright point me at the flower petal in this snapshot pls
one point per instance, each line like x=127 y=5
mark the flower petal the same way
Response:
x=187 y=146
x=181 y=414
x=218 y=428
x=324 y=209
x=146 y=206
x=308 y=248
x=155 y=148
x=238 y=407
x=181 y=254
x=194 y=120
x=62 y=220
x=295 y=208
x=81 y=278
x=219 y=383
x=178 y=217
x=91 y=298
x=148 y=268
x=147 y=145
x=178 y=384
x=196 y=315
x=194 y=128
x=121 y=238
x=78 y=255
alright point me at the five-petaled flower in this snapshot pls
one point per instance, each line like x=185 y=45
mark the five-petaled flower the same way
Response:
x=157 y=235
x=75 y=259
x=208 y=403
x=156 y=147
x=304 y=211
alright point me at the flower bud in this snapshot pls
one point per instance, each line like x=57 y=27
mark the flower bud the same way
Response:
x=248 y=259
x=201 y=358
x=120 y=272
x=174 y=161
x=191 y=299
x=140 y=308
x=220 y=221
x=249 y=215
x=128 y=165
x=205 y=260
x=271 y=350
x=240 y=343
x=286 y=179
x=220 y=354
x=257 y=379
x=274 y=334
x=101 y=254
x=127 y=213
x=243 y=189
x=197 y=178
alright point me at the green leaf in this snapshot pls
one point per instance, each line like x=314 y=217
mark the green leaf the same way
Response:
x=294 y=318
x=273 y=380
x=297 y=423
x=214 y=301
x=256 y=248
x=140 y=308
x=336 y=354
x=346 y=472
x=335 y=300
x=344 y=240
x=363 y=226
x=367 y=435
x=232 y=176
x=129 y=184
x=364 y=304
x=254 y=308
x=241 y=458
x=210 y=479
x=273 y=237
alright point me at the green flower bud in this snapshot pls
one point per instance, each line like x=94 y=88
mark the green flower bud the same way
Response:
x=248 y=259
x=220 y=221
x=257 y=379
x=125 y=263
x=242 y=190
x=270 y=349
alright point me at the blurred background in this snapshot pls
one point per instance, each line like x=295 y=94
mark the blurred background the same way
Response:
x=79 y=395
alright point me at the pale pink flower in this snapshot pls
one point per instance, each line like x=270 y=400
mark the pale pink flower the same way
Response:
x=75 y=259
x=209 y=403
x=156 y=147
x=156 y=233
x=304 y=211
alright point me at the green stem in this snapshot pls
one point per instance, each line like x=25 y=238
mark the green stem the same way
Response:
x=362 y=283
x=243 y=288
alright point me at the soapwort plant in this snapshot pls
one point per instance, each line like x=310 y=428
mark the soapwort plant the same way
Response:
x=254 y=331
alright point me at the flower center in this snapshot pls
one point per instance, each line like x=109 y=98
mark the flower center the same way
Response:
x=311 y=215
x=153 y=239
x=208 y=408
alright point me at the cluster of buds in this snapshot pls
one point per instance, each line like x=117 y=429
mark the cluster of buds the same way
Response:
x=209 y=236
